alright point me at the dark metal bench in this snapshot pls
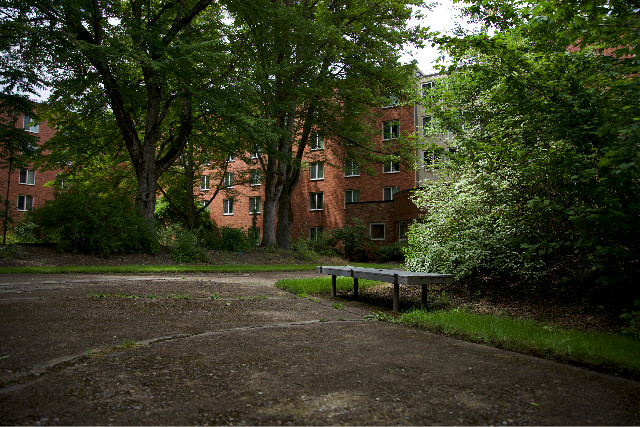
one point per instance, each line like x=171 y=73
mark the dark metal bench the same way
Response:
x=397 y=277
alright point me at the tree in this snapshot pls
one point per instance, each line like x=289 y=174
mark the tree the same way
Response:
x=137 y=68
x=316 y=68
x=545 y=180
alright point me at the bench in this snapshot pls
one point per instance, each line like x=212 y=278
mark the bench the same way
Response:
x=397 y=277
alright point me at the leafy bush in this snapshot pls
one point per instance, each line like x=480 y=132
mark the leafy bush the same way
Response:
x=353 y=241
x=96 y=224
x=391 y=252
x=234 y=239
x=304 y=250
x=476 y=224
x=185 y=248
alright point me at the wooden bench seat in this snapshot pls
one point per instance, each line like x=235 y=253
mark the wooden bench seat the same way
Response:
x=397 y=277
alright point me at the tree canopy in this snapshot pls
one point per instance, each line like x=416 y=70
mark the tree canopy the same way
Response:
x=316 y=68
x=545 y=178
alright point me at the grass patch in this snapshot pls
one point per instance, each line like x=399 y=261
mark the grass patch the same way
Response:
x=226 y=268
x=605 y=352
x=322 y=285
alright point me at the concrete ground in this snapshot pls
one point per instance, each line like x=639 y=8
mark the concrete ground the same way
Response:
x=233 y=349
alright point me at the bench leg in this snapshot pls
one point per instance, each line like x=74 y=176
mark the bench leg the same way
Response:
x=425 y=292
x=355 y=287
x=396 y=297
x=333 y=286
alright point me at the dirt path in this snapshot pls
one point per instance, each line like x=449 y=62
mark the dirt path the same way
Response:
x=233 y=349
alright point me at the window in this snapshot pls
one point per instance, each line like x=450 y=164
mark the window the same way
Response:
x=228 y=180
x=255 y=176
x=229 y=159
x=426 y=88
x=315 y=232
x=316 y=142
x=390 y=129
x=351 y=168
x=317 y=171
x=432 y=158
x=27 y=177
x=402 y=231
x=204 y=182
x=227 y=207
x=29 y=125
x=256 y=154
x=25 y=203
x=392 y=101
x=376 y=231
x=316 y=201
x=254 y=205
x=351 y=196
x=388 y=192
x=427 y=125
x=392 y=166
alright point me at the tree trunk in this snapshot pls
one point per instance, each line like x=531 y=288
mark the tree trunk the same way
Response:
x=272 y=191
x=285 y=219
x=188 y=188
x=146 y=194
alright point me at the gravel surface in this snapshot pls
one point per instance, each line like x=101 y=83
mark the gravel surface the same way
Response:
x=233 y=349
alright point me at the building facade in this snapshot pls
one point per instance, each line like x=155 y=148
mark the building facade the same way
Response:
x=331 y=194
x=25 y=188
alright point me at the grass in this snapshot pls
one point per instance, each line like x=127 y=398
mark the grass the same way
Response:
x=226 y=268
x=321 y=285
x=605 y=352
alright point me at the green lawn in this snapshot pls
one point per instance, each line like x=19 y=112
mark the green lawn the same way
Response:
x=181 y=268
x=321 y=285
x=607 y=352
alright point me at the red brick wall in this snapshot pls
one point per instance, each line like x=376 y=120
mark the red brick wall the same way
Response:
x=40 y=193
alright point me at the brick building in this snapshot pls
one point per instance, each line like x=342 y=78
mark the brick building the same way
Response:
x=331 y=194
x=26 y=187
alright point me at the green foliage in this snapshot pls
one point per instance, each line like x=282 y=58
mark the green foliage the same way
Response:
x=97 y=224
x=546 y=176
x=632 y=321
x=234 y=239
x=186 y=248
x=353 y=242
x=391 y=252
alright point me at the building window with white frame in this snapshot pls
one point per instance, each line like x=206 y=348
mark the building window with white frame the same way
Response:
x=376 y=231
x=392 y=101
x=316 y=142
x=227 y=181
x=426 y=88
x=256 y=154
x=254 y=205
x=229 y=159
x=27 y=177
x=316 y=201
x=351 y=168
x=316 y=171
x=389 y=192
x=402 y=231
x=227 y=207
x=255 y=176
x=427 y=125
x=30 y=125
x=351 y=196
x=315 y=232
x=391 y=166
x=25 y=203
x=204 y=183
x=390 y=130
